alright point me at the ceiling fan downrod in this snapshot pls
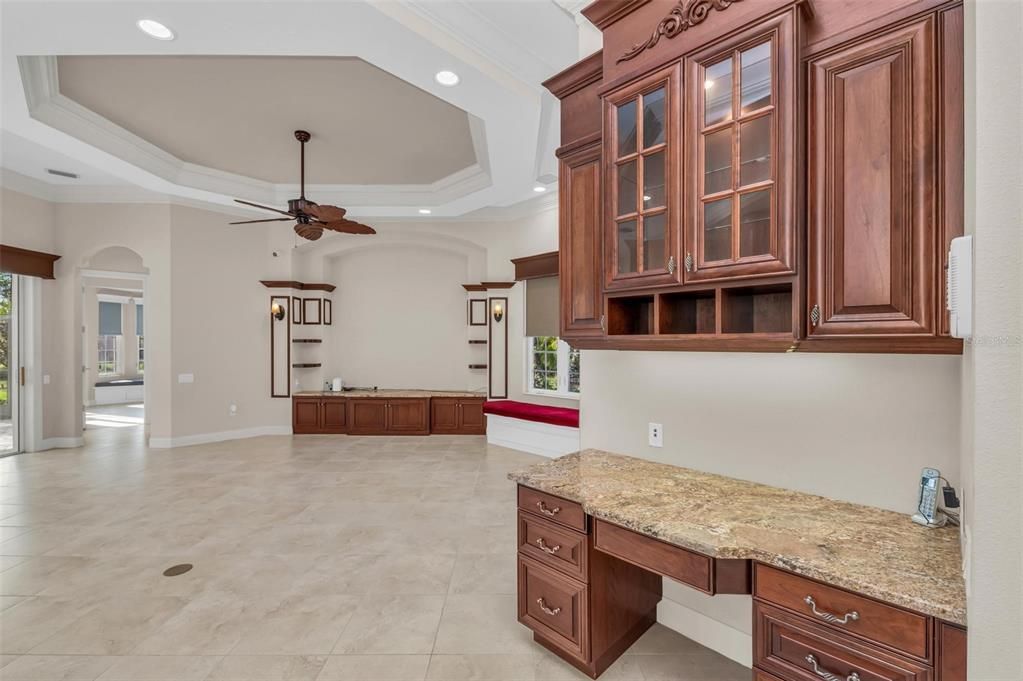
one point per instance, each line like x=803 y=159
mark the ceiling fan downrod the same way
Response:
x=302 y=136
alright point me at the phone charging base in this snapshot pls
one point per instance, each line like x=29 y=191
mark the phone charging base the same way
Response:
x=940 y=519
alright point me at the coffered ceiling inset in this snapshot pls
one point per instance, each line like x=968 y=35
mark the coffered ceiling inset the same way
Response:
x=236 y=114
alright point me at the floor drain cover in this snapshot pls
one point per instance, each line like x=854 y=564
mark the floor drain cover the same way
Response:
x=176 y=570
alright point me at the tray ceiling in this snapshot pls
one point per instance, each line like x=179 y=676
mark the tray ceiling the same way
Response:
x=237 y=114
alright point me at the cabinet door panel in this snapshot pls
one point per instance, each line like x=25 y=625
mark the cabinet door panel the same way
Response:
x=367 y=417
x=642 y=199
x=579 y=261
x=873 y=186
x=410 y=416
x=305 y=415
x=333 y=415
x=444 y=415
x=471 y=419
x=742 y=138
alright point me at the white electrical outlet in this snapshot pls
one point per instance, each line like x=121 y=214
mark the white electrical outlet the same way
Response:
x=186 y=378
x=655 y=434
x=46 y=379
x=233 y=410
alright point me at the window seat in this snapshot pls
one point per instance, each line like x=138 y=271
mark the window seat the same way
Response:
x=119 y=391
x=534 y=428
x=119 y=382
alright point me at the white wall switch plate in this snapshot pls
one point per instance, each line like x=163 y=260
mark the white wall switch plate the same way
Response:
x=233 y=410
x=46 y=379
x=186 y=378
x=655 y=434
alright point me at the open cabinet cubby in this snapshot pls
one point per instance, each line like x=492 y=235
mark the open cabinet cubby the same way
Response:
x=761 y=311
x=757 y=309
x=687 y=313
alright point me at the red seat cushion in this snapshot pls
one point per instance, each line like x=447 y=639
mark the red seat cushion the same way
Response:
x=558 y=416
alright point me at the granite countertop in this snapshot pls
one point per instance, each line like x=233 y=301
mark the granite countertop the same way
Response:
x=390 y=392
x=868 y=550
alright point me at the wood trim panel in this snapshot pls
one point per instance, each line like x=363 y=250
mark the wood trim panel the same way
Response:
x=603 y=13
x=680 y=564
x=951 y=94
x=497 y=284
x=577 y=76
x=536 y=266
x=950 y=647
x=317 y=307
x=474 y=287
x=301 y=286
x=494 y=394
x=274 y=388
x=27 y=263
x=328 y=312
x=296 y=310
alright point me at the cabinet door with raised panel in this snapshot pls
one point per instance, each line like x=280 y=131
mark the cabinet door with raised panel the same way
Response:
x=741 y=144
x=471 y=419
x=411 y=416
x=872 y=186
x=367 y=416
x=333 y=416
x=579 y=256
x=642 y=197
x=444 y=415
x=305 y=415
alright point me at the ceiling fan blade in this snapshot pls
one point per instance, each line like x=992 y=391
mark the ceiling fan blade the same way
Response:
x=311 y=232
x=256 y=205
x=252 y=222
x=326 y=213
x=349 y=227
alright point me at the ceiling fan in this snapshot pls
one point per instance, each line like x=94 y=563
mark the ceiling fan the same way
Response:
x=310 y=218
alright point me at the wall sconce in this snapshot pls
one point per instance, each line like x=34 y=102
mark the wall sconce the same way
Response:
x=277 y=311
x=498 y=312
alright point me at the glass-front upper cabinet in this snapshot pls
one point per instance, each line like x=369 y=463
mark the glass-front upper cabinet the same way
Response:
x=641 y=152
x=741 y=142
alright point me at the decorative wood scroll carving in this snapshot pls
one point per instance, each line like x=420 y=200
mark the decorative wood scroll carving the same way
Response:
x=682 y=16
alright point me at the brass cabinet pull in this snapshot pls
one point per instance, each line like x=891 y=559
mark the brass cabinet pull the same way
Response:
x=548 y=511
x=828 y=676
x=547 y=549
x=850 y=616
x=553 y=612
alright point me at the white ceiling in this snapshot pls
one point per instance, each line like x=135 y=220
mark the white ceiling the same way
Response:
x=501 y=49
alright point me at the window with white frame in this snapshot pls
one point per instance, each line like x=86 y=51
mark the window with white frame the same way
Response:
x=141 y=355
x=108 y=357
x=553 y=367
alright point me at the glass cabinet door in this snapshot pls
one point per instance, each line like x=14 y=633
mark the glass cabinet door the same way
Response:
x=740 y=113
x=641 y=147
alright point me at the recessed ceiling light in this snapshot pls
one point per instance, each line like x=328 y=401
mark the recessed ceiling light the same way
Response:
x=425 y=211
x=539 y=189
x=155 y=29
x=447 y=78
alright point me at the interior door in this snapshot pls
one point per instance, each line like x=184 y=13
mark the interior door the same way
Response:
x=873 y=186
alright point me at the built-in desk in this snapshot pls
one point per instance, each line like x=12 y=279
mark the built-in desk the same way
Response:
x=842 y=592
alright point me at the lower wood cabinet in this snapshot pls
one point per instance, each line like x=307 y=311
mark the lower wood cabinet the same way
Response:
x=397 y=416
x=457 y=416
x=318 y=415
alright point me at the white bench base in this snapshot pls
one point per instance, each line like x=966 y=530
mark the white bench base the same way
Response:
x=544 y=439
x=119 y=394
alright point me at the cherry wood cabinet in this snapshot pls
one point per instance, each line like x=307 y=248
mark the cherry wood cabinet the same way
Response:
x=642 y=143
x=318 y=415
x=872 y=170
x=457 y=416
x=775 y=176
x=393 y=416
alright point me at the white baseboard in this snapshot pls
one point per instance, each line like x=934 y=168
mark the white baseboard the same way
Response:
x=205 y=438
x=544 y=439
x=60 y=443
x=719 y=637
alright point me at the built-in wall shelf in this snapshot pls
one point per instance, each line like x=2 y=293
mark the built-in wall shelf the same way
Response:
x=306 y=340
x=477 y=366
x=477 y=342
x=306 y=365
x=298 y=285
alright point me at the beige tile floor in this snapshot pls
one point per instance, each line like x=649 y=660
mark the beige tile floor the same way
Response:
x=316 y=558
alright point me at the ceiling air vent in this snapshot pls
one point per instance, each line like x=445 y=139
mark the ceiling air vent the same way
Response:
x=62 y=173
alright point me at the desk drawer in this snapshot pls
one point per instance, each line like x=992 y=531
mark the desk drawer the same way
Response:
x=553 y=545
x=554 y=606
x=902 y=630
x=680 y=564
x=796 y=649
x=556 y=509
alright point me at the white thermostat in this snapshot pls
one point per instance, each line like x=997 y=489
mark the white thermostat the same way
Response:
x=959 y=287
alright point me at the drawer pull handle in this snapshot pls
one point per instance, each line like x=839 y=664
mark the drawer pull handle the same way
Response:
x=553 y=612
x=548 y=511
x=547 y=549
x=850 y=616
x=828 y=676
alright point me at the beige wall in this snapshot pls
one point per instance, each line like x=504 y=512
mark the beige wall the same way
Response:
x=399 y=318
x=992 y=394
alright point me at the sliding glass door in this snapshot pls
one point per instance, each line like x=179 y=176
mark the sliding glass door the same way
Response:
x=9 y=371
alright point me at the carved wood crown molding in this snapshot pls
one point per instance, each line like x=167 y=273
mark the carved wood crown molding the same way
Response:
x=685 y=14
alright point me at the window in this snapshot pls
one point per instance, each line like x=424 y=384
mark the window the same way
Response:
x=142 y=356
x=553 y=367
x=108 y=355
